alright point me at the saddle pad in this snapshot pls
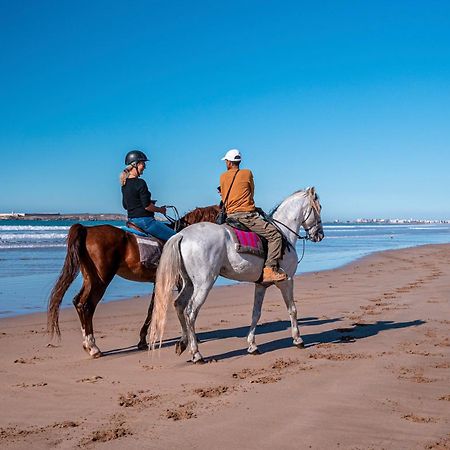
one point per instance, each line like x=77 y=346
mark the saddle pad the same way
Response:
x=149 y=251
x=247 y=242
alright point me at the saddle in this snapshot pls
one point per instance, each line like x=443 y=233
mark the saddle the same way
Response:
x=247 y=241
x=150 y=247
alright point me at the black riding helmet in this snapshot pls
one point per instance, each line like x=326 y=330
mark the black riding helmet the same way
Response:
x=134 y=157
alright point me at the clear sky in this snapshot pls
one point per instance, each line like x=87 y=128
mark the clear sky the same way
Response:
x=352 y=97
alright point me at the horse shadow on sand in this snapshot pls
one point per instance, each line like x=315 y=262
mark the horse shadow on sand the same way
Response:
x=341 y=336
x=225 y=333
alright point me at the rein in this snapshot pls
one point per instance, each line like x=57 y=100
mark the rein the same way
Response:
x=302 y=238
x=176 y=221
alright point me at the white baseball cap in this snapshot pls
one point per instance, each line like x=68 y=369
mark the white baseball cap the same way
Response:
x=233 y=155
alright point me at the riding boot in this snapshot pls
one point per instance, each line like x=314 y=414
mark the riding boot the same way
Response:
x=271 y=275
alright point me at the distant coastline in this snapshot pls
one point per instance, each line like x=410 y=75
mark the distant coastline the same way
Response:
x=396 y=221
x=58 y=216
x=122 y=217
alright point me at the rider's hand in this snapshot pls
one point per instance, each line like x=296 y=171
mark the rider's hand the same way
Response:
x=162 y=210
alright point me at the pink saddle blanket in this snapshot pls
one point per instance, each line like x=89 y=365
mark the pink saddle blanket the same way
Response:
x=247 y=242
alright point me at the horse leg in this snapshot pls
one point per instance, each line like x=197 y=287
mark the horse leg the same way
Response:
x=78 y=302
x=260 y=291
x=94 y=298
x=180 y=306
x=287 y=291
x=142 y=345
x=190 y=314
x=85 y=303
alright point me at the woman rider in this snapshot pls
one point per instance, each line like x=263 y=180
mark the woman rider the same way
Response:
x=136 y=198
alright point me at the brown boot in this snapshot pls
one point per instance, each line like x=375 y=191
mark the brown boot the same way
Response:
x=270 y=275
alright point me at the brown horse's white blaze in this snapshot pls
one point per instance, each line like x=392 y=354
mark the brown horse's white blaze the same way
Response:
x=101 y=252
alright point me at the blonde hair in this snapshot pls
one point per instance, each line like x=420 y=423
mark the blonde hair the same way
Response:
x=125 y=174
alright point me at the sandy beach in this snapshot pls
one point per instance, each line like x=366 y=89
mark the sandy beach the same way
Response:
x=374 y=373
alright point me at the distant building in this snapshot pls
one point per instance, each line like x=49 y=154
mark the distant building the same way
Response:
x=11 y=215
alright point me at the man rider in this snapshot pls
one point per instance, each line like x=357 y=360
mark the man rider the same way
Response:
x=240 y=205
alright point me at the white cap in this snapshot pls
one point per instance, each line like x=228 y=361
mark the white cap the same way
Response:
x=233 y=155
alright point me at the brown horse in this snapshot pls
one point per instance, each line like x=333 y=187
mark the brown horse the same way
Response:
x=101 y=252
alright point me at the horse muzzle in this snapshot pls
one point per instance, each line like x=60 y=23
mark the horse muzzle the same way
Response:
x=317 y=237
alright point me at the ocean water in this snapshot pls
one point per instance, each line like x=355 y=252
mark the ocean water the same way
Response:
x=32 y=254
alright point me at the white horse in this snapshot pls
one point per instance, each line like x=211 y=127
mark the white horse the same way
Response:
x=195 y=257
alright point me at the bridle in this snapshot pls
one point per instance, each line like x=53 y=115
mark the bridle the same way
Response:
x=302 y=238
x=307 y=230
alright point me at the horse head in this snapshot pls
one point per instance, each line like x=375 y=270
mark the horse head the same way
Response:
x=312 y=222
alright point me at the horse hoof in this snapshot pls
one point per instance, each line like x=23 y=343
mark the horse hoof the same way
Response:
x=300 y=345
x=255 y=351
x=180 y=347
x=97 y=355
x=142 y=346
x=199 y=361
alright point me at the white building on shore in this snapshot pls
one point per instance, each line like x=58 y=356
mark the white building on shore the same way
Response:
x=11 y=215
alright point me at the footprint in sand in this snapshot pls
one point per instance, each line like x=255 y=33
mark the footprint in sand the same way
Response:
x=212 y=391
x=266 y=379
x=115 y=429
x=419 y=419
x=444 y=365
x=140 y=398
x=415 y=375
x=29 y=361
x=182 y=412
x=24 y=385
x=93 y=379
x=339 y=356
x=246 y=373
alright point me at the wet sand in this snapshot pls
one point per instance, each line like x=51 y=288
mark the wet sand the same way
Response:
x=375 y=372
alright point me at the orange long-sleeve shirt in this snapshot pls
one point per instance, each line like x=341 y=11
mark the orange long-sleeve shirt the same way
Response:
x=240 y=198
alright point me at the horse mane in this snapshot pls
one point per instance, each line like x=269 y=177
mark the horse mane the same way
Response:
x=313 y=198
x=201 y=214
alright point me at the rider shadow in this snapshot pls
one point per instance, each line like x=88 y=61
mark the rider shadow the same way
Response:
x=326 y=337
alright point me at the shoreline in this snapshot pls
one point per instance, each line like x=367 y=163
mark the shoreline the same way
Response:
x=48 y=217
x=228 y=283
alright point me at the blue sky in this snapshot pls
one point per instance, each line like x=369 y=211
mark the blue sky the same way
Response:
x=351 y=97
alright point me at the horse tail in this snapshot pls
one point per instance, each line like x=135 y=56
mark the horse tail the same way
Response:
x=75 y=242
x=170 y=270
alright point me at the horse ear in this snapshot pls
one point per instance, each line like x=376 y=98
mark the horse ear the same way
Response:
x=313 y=190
